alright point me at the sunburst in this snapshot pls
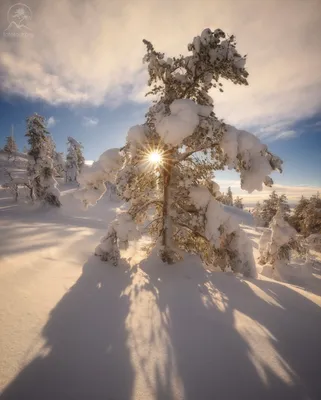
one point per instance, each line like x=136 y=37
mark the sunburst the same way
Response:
x=155 y=157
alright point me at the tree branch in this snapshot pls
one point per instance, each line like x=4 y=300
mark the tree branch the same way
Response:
x=200 y=148
x=192 y=230
x=148 y=204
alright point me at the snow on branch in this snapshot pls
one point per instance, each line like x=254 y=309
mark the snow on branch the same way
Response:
x=93 y=179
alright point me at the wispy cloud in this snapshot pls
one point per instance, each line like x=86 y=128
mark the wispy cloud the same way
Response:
x=51 y=122
x=89 y=121
x=101 y=63
x=281 y=130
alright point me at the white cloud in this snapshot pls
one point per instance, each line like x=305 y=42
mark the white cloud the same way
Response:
x=89 y=121
x=51 y=122
x=91 y=53
x=89 y=162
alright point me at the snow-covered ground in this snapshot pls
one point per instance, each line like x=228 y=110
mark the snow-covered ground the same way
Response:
x=73 y=327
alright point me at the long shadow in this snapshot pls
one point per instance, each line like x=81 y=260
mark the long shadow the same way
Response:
x=175 y=332
x=13 y=238
x=86 y=343
x=230 y=342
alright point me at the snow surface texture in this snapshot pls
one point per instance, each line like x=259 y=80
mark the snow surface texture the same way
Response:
x=73 y=327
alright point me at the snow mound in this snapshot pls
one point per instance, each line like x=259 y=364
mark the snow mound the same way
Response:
x=242 y=216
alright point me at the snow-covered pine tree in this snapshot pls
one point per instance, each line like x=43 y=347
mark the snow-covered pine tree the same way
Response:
x=80 y=157
x=71 y=165
x=226 y=198
x=168 y=162
x=57 y=158
x=311 y=216
x=40 y=165
x=229 y=196
x=297 y=217
x=257 y=214
x=74 y=160
x=270 y=207
x=10 y=147
x=238 y=202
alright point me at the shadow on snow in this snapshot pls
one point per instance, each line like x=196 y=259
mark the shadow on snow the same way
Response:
x=175 y=332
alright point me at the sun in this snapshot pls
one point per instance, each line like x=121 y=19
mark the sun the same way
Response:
x=155 y=157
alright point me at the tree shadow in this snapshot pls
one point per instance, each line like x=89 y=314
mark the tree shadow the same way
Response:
x=87 y=355
x=175 y=332
x=230 y=341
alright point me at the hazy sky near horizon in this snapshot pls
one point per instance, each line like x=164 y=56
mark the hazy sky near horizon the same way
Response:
x=83 y=71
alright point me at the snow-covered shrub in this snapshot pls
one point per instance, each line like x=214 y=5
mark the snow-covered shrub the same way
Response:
x=40 y=165
x=119 y=233
x=167 y=164
x=276 y=244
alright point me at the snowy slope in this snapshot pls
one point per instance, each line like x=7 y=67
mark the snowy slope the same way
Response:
x=73 y=327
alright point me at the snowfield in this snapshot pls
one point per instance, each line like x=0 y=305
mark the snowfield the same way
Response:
x=73 y=327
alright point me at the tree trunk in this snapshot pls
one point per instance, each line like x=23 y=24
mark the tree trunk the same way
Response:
x=167 y=252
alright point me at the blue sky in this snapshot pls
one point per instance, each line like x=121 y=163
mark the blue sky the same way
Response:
x=82 y=69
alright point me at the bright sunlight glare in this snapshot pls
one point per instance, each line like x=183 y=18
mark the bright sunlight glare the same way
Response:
x=155 y=157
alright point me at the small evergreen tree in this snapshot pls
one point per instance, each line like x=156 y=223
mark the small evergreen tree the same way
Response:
x=238 y=203
x=229 y=196
x=257 y=214
x=10 y=147
x=74 y=160
x=80 y=158
x=40 y=166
